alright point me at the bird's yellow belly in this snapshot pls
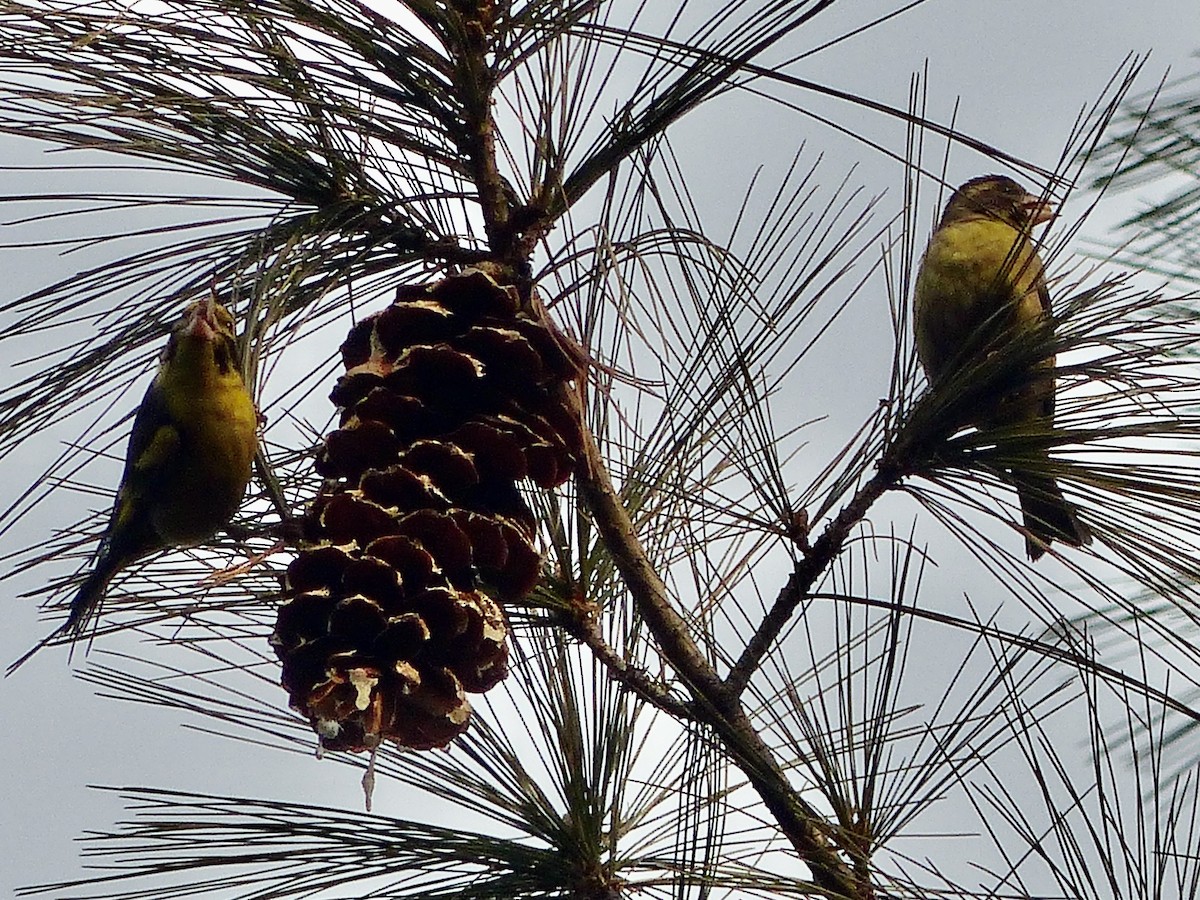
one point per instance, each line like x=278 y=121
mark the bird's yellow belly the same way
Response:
x=968 y=285
x=210 y=471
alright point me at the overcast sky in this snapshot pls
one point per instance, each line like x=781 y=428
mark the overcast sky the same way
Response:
x=1022 y=70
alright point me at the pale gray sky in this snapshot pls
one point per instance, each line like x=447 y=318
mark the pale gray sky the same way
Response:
x=1022 y=68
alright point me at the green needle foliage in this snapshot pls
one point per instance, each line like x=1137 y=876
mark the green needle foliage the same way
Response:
x=746 y=671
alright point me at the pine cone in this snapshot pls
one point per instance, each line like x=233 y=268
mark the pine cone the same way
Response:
x=451 y=397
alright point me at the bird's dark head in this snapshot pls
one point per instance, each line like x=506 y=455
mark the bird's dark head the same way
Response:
x=207 y=328
x=205 y=319
x=997 y=196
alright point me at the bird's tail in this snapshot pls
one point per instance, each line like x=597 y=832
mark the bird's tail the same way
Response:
x=1047 y=513
x=87 y=599
x=83 y=608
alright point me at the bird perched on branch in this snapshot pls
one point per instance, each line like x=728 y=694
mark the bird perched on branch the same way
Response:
x=980 y=285
x=189 y=459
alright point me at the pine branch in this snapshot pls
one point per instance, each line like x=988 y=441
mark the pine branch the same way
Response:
x=799 y=585
x=803 y=825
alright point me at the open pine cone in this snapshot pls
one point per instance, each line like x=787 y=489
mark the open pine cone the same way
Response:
x=451 y=397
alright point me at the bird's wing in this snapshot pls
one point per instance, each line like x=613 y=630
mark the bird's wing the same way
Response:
x=1042 y=290
x=153 y=443
x=1043 y=293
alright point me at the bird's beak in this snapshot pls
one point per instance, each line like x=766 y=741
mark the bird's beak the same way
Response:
x=200 y=320
x=1037 y=210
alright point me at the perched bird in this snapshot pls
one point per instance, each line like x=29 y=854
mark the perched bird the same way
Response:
x=190 y=453
x=980 y=283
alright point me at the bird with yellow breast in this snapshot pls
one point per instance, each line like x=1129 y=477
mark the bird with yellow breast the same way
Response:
x=980 y=283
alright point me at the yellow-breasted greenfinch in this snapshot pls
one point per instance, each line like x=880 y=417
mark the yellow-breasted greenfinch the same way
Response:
x=190 y=453
x=981 y=282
